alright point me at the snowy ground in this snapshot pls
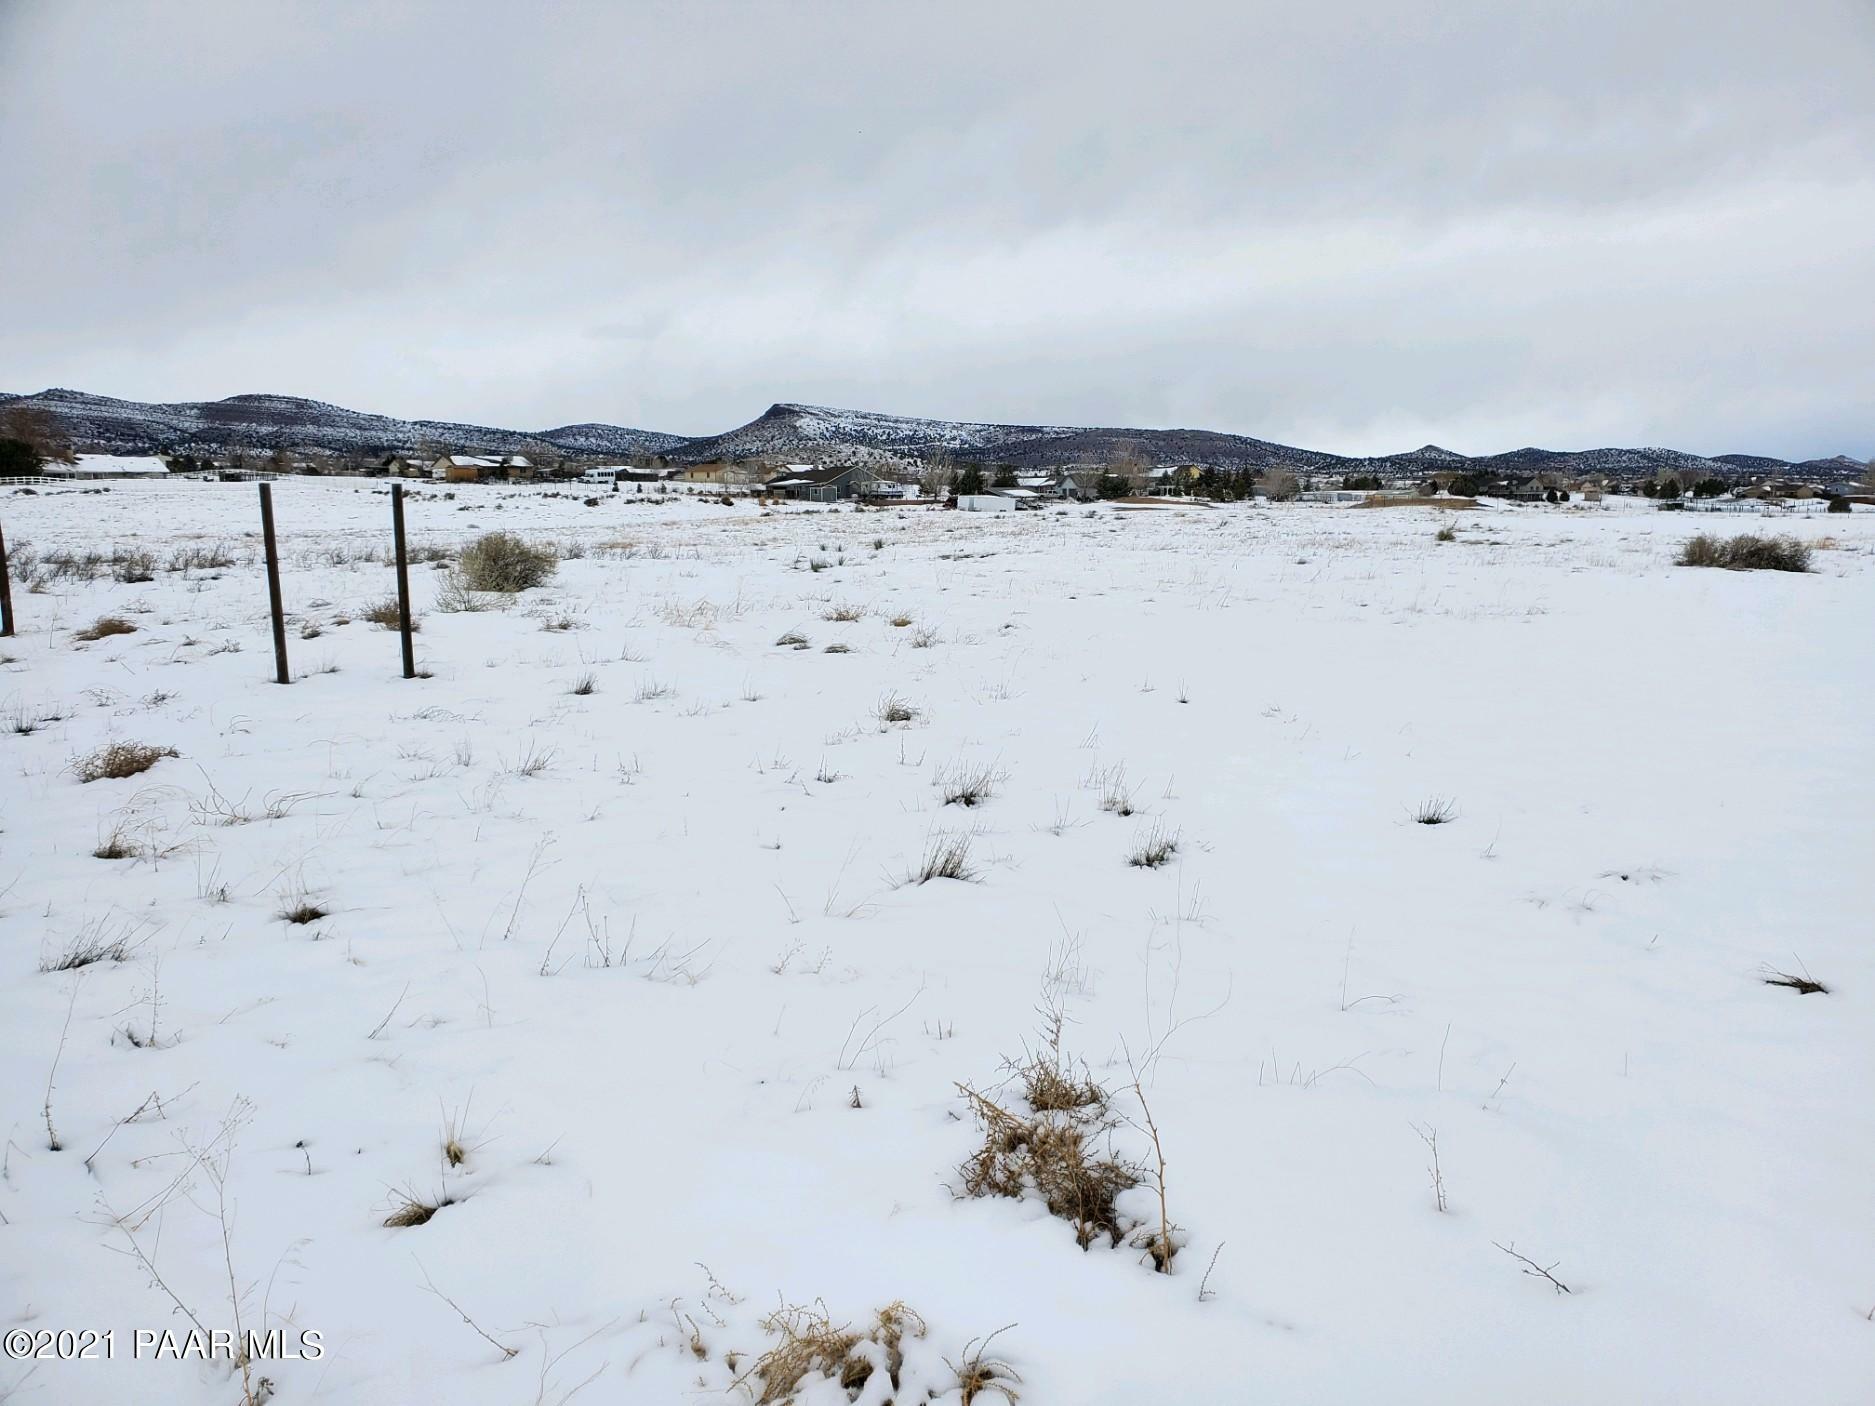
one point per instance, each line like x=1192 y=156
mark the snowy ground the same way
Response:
x=650 y=980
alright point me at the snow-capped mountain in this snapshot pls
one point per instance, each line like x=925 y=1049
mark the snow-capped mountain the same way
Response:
x=793 y=433
x=610 y=440
x=812 y=433
x=100 y=424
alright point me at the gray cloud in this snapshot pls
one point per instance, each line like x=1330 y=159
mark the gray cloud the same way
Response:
x=1359 y=226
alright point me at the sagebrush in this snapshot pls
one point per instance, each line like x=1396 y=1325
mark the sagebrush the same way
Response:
x=1747 y=552
x=500 y=561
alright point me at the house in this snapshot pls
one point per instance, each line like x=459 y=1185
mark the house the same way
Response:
x=108 y=466
x=1060 y=483
x=827 y=484
x=465 y=468
x=406 y=466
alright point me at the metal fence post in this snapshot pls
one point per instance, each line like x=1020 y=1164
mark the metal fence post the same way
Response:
x=273 y=585
x=6 y=590
x=403 y=579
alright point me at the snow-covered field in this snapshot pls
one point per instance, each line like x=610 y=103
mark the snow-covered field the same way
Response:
x=650 y=952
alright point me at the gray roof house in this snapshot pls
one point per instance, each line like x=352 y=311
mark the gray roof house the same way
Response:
x=826 y=484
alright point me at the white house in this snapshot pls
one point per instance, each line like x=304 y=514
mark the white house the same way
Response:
x=108 y=466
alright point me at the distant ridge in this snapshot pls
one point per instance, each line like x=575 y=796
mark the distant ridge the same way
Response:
x=791 y=432
x=262 y=423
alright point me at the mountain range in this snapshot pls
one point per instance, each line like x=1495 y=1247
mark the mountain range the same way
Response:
x=788 y=432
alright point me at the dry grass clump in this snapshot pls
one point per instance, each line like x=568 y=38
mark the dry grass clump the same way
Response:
x=115 y=846
x=894 y=709
x=1746 y=552
x=410 y=1209
x=456 y=1141
x=1116 y=797
x=500 y=561
x=22 y=723
x=133 y=566
x=845 y=612
x=386 y=615
x=1057 y=1154
x=967 y=785
x=1435 y=810
x=200 y=557
x=116 y=760
x=899 y=621
x=814 y=1349
x=1154 y=848
x=1448 y=533
x=811 y=1344
x=946 y=856
x=978 y=1372
x=119 y=844
x=815 y=1358
x=300 y=909
x=454 y=597
x=98 y=941
x=793 y=639
x=104 y=627
x=1805 y=985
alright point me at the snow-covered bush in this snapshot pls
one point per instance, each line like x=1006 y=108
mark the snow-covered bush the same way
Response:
x=500 y=561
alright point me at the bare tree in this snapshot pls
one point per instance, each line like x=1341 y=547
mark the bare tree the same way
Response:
x=939 y=470
x=1278 y=485
x=34 y=426
x=1129 y=461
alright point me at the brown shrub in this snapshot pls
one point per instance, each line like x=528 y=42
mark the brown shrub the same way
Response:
x=385 y=613
x=116 y=760
x=1050 y=1148
x=811 y=1343
x=105 y=626
x=1746 y=552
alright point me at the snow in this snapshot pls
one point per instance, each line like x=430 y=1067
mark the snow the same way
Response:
x=650 y=976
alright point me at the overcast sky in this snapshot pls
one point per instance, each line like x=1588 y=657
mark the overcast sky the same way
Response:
x=1353 y=226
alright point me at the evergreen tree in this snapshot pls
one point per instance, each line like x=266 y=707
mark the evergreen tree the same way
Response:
x=970 y=481
x=18 y=458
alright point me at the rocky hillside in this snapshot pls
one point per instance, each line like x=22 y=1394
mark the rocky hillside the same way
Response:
x=261 y=423
x=789 y=433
